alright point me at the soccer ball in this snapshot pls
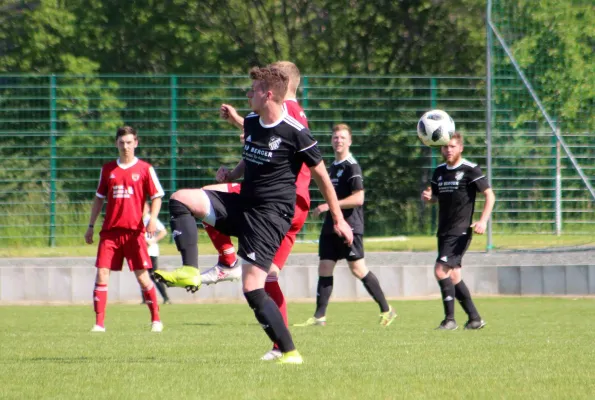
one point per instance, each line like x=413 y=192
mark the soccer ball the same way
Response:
x=435 y=127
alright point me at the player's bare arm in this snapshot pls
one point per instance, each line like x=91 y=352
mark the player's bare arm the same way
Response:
x=230 y=114
x=95 y=210
x=327 y=190
x=427 y=197
x=479 y=227
x=155 y=207
x=224 y=174
x=356 y=199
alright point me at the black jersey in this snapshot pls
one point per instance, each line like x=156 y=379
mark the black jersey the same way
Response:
x=456 y=188
x=273 y=155
x=346 y=177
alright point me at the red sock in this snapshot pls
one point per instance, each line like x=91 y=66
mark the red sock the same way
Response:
x=227 y=253
x=150 y=296
x=99 y=303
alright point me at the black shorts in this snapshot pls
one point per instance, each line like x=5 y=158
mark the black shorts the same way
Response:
x=259 y=229
x=332 y=247
x=451 y=249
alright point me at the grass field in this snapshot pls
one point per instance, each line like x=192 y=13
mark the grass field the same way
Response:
x=531 y=348
x=401 y=243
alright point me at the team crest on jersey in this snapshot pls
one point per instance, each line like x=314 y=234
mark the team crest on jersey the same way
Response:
x=459 y=175
x=274 y=142
x=339 y=173
x=135 y=177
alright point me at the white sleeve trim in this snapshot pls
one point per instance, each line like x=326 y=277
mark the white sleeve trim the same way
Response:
x=100 y=196
x=355 y=176
x=160 y=192
x=483 y=176
x=309 y=147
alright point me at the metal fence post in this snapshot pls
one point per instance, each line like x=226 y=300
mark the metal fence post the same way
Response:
x=173 y=134
x=558 y=185
x=52 y=233
x=433 y=163
x=489 y=244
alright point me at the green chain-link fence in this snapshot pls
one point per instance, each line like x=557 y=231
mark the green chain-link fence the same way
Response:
x=58 y=130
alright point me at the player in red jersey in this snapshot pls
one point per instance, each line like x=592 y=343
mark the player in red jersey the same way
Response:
x=125 y=183
x=227 y=268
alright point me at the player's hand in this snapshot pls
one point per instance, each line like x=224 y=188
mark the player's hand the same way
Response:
x=343 y=229
x=89 y=236
x=320 y=209
x=479 y=227
x=229 y=113
x=426 y=195
x=150 y=241
x=151 y=228
x=223 y=175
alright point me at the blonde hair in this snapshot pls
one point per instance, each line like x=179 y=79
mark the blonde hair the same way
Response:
x=292 y=71
x=342 y=127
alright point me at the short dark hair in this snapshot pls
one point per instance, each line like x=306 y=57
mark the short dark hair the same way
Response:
x=458 y=136
x=342 y=127
x=125 y=130
x=272 y=79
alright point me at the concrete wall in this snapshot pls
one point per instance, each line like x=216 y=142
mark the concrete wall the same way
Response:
x=401 y=275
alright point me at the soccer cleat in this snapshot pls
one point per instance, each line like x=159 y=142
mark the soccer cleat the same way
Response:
x=156 y=326
x=475 y=324
x=222 y=273
x=313 y=321
x=186 y=277
x=167 y=301
x=387 y=318
x=447 y=325
x=98 y=328
x=291 y=357
x=272 y=355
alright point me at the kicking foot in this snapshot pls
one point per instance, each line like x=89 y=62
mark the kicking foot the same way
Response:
x=186 y=277
x=222 y=273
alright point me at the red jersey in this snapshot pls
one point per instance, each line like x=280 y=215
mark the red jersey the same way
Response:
x=126 y=187
x=302 y=181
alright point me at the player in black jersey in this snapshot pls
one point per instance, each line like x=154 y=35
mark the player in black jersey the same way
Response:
x=454 y=186
x=347 y=179
x=275 y=147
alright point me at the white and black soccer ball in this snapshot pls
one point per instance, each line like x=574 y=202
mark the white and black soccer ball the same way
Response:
x=435 y=128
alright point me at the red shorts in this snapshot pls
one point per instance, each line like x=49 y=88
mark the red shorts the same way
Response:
x=299 y=218
x=116 y=245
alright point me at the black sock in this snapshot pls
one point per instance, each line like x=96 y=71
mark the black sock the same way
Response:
x=373 y=287
x=184 y=231
x=464 y=297
x=323 y=295
x=448 y=297
x=268 y=315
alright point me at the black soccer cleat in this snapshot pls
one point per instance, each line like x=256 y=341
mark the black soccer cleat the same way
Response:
x=447 y=325
x=475 y=324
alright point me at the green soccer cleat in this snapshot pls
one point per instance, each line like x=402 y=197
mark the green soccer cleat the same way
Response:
x=387 y=318
x=186 y=277
x=313 y=321
x=291 y=357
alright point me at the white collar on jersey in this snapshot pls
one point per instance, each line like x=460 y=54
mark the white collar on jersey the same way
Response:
x=126 y=166
x=455 y=166
x=343 y=160
x=283 y=115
